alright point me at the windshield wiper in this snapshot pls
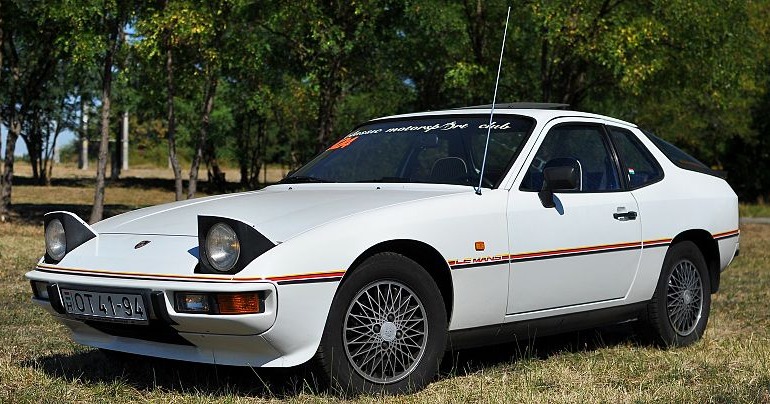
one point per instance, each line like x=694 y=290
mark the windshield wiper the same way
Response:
x=388 y=179
x=302 y=179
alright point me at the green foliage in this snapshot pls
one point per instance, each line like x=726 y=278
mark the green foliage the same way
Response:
x=294 y=76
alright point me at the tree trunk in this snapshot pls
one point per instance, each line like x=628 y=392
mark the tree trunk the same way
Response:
x=51 y=157
x=14 y=129
x=244 y=147
x=545 y=77
x=6 y=182
x=171 y=118
x=476 y=18
x=216 y=177
x=97 y=212
x=3 y=207
x=34 y=154
x=257 y=159
x=208 y=105
x=331 y=91
x=2 y=45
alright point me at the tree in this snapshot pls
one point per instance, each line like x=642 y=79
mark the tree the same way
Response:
x=30 y=57
x=339 y=46
x=195 y=31
x=47 y=118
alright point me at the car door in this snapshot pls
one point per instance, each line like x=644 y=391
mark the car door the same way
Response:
x=586 y=248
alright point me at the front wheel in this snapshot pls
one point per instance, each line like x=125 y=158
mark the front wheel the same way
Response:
x=679 y=310
x=386 y=330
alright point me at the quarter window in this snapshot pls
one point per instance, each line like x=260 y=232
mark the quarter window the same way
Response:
x=639 y=166
x=584 y=143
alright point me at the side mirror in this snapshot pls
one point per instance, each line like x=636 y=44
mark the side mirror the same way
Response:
x=561 y=174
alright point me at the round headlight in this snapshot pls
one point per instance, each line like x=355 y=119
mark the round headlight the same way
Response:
x=222 y=247
x=55 y=240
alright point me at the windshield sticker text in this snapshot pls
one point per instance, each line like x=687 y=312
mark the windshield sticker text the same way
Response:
x=446 y=126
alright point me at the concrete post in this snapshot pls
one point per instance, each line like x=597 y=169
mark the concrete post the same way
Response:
x=125 y=140
x=83 y=138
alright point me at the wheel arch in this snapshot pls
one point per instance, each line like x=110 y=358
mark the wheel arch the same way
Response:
x=422 y=253
x=710 y=250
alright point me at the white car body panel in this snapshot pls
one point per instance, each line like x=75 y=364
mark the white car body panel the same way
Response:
x=604 y=261
x=321 y=230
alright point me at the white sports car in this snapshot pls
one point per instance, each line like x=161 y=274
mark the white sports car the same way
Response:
x=382 y=253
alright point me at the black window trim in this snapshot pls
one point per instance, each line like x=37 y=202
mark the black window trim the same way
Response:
x=607 y=143
x=646 y=149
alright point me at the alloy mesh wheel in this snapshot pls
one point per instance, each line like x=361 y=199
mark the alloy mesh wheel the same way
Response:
x=385 y=331
x=684 y=298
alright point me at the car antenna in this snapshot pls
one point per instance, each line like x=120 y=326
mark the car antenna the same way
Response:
x=494 y=99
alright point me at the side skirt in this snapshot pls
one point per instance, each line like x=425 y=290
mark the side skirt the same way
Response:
x=541 y=327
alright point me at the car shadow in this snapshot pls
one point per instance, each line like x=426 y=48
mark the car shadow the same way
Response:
x=95 y=366
x=468 y=361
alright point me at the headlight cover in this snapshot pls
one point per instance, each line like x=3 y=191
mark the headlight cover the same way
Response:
x=64 y=232
x=226 y=246
x=55 y=240
x=222 y=247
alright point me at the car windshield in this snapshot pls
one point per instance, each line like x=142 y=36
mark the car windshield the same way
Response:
x=438 y=150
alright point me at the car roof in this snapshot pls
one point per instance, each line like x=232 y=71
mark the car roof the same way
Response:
x=540 y=111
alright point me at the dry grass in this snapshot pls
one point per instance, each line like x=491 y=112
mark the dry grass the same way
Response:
x=69 y=170
x=73 y=190
x=39 y=363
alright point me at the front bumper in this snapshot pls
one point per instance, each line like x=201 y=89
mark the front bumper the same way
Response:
x=272 y=338
x=222 y=339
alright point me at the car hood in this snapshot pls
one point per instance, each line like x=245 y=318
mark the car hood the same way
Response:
x=279 y=212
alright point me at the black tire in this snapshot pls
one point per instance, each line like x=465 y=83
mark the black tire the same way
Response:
x=679 y=310
x=408 y=337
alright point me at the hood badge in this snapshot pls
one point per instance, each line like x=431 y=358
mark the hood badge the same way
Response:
x=141 y=244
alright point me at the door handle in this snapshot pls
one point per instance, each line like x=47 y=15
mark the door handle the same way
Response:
x=625 y=216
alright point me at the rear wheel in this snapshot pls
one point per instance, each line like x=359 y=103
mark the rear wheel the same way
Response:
x=386 y=330
x=679 y=310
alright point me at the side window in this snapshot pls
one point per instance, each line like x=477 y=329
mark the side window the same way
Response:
x=639 y=166
x=584 y=143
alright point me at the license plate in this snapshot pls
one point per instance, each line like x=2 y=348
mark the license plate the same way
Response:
x=104 y=306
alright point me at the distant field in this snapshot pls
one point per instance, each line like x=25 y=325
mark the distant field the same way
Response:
x=754 y=210
x=69 y=170
x=39 y=363
x=73 y=189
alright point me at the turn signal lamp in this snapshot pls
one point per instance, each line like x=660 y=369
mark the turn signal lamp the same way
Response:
x=238 y=303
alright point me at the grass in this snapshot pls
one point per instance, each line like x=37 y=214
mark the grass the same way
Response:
x=754 y=210
x=39 y=363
